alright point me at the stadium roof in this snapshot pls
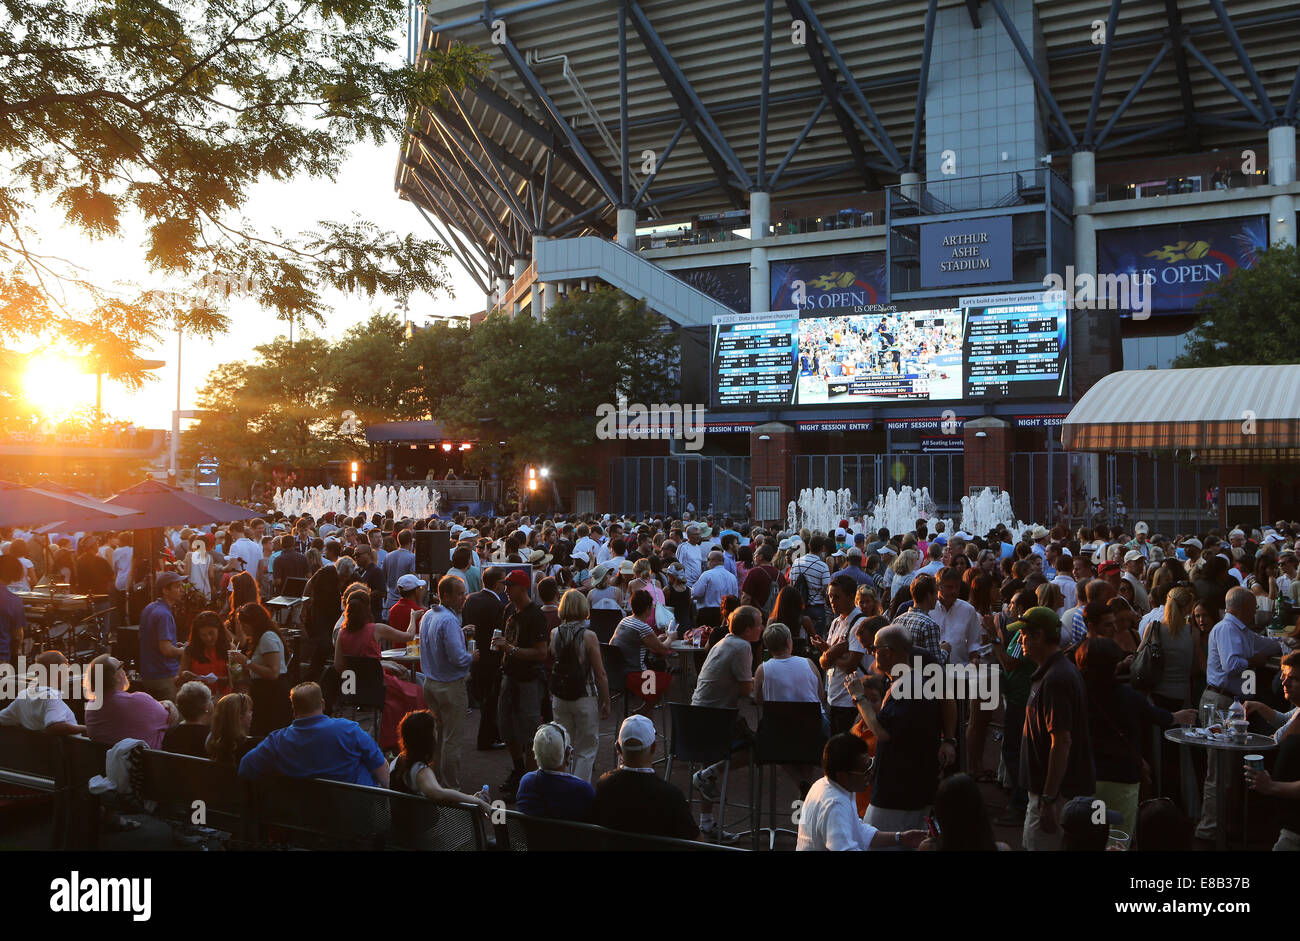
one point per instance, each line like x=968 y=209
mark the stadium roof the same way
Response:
x=533 y=146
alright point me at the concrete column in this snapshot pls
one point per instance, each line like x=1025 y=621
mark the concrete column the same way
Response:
x=772 y=448
x=911 y=185
x=987 y=443
x=521 y=265
x=1281 y=171
x=503 y=288
x=627 y=229
x=760 y=215
x=543 y=295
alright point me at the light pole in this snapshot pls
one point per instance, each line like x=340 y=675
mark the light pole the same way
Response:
x=173 y=472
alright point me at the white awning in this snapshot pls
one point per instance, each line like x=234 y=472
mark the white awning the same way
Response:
x=1224 y=413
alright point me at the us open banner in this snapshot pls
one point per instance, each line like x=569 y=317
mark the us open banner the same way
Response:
x=1178 y=262
x=852 y=280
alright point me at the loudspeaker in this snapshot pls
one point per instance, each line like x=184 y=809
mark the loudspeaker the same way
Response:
x=432 y=551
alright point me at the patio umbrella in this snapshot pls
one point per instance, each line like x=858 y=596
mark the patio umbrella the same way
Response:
x=25 y=506
x=54 y=487
x=158 y=505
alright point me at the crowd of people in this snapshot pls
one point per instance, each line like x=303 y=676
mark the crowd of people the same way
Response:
x=1093 y=638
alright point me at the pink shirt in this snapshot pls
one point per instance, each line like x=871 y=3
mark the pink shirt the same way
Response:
x=127 y=715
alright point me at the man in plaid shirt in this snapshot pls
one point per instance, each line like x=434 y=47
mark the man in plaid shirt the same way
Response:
x=916 y=620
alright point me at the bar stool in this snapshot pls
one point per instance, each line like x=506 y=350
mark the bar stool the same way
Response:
x=703 y=735
x=789 y=733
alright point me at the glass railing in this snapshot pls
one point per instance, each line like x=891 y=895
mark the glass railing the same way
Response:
x=1176 y=185
x=826 y=222
x=685 y=236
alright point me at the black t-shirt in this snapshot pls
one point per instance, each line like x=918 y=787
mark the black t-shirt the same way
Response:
x=94 y=574
x=1058 y=701
x=1287 y=768
x=641 y=802
x=907 y=766
x=187 y=740
x=290 y=564
x=525 y=628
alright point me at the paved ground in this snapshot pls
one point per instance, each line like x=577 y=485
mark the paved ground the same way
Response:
x=26 y=824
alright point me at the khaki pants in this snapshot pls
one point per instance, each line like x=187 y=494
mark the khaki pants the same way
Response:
x=581 y=719
x=1033 y=837
x=449 y=702
x=1208 y=824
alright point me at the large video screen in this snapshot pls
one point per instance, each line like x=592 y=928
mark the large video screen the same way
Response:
x=1007 y=346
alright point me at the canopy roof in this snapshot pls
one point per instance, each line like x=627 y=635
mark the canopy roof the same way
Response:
x=1225 y=414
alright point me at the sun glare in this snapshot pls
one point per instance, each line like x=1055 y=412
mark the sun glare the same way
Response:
x=55 y=386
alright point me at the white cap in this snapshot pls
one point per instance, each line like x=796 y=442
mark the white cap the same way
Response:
x=1134 y=556
x=407 y=582
x=886 y=550
x=1141 y=530
x=1192 y=541
x=1065 y=551
x=637 y=733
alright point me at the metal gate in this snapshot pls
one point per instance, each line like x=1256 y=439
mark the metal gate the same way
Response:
x=719 y=485
x=868 y=475
x=1118 y=489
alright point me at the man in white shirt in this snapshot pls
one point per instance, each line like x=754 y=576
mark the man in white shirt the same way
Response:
x=959 y=622
x=1063 y=562
x=1134 y=568
x=844 y=653
x=828 y=816
x=585 y=543
x=39 y=706
x=122 y=557
x=934 y=552
x=245 y=550
x=710 y=588
x=692 y=554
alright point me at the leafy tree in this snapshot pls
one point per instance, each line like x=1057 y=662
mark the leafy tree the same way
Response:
x=1251 y=317
x=274 y=408
x=537 y=385
x=372 y=374
x=120 y=112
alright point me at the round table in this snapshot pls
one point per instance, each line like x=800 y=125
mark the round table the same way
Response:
x=691 y=657
x=1224 y=750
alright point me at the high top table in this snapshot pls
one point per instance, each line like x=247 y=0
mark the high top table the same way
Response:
x=1223 y=751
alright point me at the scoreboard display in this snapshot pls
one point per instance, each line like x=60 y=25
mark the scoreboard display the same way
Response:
x=984 y=348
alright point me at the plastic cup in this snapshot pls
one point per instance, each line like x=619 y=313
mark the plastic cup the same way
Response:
x=1118 y=841
x=1254 y=762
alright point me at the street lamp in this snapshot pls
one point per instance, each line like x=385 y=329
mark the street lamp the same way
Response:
x=354 y=472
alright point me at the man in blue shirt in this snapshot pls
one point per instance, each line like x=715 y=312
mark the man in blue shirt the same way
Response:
x=1234 y=651
x=316 y=746
x=445 y=663
x=12 y=618
x=159 y=654
x=397 y=563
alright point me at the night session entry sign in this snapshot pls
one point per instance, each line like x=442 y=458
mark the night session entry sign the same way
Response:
x=971 y=251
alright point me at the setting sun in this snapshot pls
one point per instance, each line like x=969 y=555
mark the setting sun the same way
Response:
x=55 y=385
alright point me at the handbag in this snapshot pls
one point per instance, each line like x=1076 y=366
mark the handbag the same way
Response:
x=1149 y=662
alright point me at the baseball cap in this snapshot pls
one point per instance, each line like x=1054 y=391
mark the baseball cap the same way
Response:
x=518 y=579
x=1193 y=542
x=859 y=537
x=1134 y=556
x=407 y=582
x=1140 y=529
x=580 y=554
x=1040 y=620
x=885 y=550
x=1079 y=819
x=1107 y=568
x=167 y=578
x=637 y=733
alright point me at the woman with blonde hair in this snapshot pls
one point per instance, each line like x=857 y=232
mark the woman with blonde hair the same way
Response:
x=644 y=579
x=228 y=740
x=1049 y=596
x=579 y=686
x=903 y=568
x=197 y=568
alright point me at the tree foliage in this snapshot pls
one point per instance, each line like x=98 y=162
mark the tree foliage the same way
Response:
x=119 y=112
x=1251 y=317
x=534 y=385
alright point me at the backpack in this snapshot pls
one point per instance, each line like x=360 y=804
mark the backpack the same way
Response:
x=772 y=591
x=568 y=677
x=801 y=584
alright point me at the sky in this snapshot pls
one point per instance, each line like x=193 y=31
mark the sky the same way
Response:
x=364 y=185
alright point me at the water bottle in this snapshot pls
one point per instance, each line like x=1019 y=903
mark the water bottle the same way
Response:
x=1238 y=727
x=486 y=794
